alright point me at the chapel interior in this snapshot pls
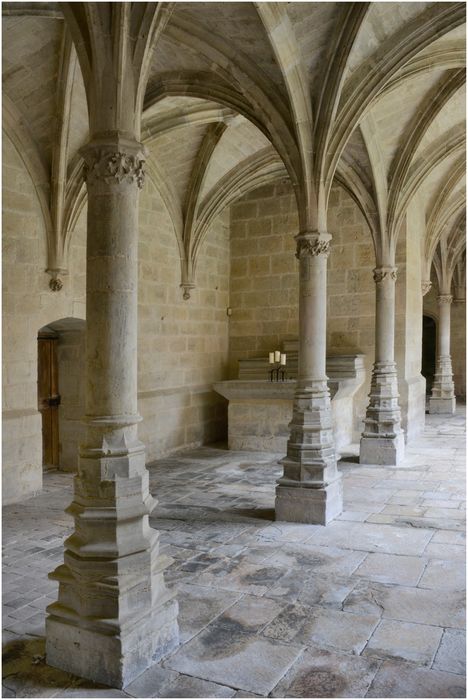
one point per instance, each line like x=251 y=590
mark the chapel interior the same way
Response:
x=234 y=349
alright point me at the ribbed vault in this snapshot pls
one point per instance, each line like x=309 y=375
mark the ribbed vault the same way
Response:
x=371 y=95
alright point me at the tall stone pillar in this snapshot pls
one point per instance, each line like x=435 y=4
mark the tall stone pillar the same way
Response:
x=442 y=398
x=382 y=441
x=114 y=616
x=310 y=490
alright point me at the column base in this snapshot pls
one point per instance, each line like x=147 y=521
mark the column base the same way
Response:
x=381 y=450
x=313 y=506
x=439 y=405
x=113 y=659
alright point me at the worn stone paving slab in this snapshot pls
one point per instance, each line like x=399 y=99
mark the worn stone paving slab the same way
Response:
x=404 y=640
x=372 y=538
x=357 y=590
x=26 y=674
x=159 y=682
x=198 y=607
x=86 y=691
x=323 y=628
x=418 y=522
x=327 y=591
x=407 y=604
x=451 y=655
x=444 y=575
x=323 y=674
x=310 y=558
x=252 y=612
x=242 y=577
x=445 y=551
x=403 y=680
x=226 y=654
x=391 y=568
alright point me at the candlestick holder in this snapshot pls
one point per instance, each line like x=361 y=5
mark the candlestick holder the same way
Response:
x=275 y=373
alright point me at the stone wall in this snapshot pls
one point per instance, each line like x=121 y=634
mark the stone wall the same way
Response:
x=182 y=344
x=458 y=347
x=28 y=305
x=351 y=291
x=264 y=279
x=408 y=322
x=457 y=335
x=264 y=289
x=264 y=292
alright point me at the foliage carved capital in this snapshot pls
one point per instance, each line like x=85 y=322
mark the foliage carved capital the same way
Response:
x=444 y=299
x=382 y=274
x=312 y=247
x=113 y=167
x=425 y=287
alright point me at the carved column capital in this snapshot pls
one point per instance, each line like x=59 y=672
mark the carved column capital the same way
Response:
x=425 y=287
x=384 y=273
x=116 y=163
x=312 y=244
x=444 y=299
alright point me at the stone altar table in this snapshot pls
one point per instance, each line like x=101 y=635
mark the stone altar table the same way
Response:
x=260 y=410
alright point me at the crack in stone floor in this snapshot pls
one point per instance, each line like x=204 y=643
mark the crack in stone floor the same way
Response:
x=370 y=606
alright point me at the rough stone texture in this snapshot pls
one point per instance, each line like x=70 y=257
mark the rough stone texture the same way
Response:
x=319 y=673
x=226 y=653
x=457 y=335
x=182 y=344
x=444 y=575
x=176 y=398
x=408 y=321
x=391 y=568
x=264 y=285
x=403 y=640
x=451 y=655
x=28 y=305
x=241 y=576
x=458 y=347
x=399 y=680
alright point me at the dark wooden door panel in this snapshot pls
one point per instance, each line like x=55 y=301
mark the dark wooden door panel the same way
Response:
x=49 y=400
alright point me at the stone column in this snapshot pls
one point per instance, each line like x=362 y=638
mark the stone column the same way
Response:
x=442 y=398
x=382 y=441
x=310 y=490
x=114 y=616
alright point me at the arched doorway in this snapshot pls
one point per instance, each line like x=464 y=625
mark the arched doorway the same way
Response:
x=61 y=398
x=429 y=341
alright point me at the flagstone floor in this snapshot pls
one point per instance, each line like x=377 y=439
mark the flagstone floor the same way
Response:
x=370 y=606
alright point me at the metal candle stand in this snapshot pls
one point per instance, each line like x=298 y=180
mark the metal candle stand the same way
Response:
x=276 y=371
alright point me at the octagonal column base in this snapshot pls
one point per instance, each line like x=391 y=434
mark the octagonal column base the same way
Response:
x=113 y=659
x=384 y=451
x=313 y=506
x=442 y=405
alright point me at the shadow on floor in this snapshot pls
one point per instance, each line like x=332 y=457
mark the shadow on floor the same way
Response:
x=26 y=674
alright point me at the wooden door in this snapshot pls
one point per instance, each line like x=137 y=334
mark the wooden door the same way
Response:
x=49 y=400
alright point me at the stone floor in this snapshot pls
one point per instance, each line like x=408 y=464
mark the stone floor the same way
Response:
x=370 y=606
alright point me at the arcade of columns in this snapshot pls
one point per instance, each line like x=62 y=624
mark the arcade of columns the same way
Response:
x=114 y=616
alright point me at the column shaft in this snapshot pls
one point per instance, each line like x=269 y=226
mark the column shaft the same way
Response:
x=114 y=616
x=382 y=441
x=310 y=489
x=442 y=398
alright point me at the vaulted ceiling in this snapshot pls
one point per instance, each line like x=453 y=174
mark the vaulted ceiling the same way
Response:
x=369 y=94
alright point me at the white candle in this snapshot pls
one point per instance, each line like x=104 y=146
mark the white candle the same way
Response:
x=277 y=355
x=271 y=357
x=283 y=358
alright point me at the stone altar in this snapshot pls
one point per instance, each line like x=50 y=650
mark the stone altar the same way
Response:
x=260 y=410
